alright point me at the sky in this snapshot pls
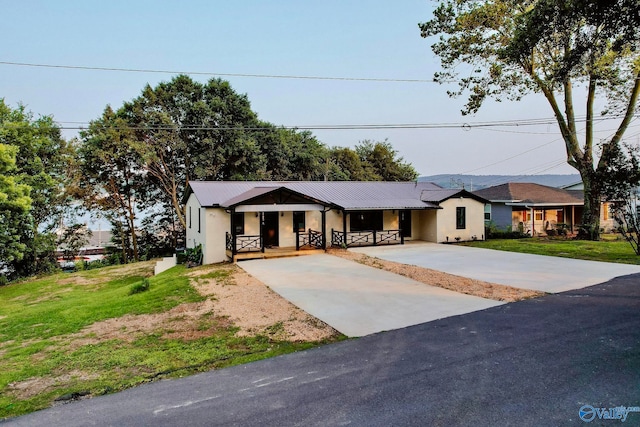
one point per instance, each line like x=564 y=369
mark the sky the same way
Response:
x=371 y=39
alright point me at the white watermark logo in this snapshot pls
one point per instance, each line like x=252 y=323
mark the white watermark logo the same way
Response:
x=588 y=413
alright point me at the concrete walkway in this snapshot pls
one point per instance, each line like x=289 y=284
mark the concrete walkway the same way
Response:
x=538 y=272
x=358 y=300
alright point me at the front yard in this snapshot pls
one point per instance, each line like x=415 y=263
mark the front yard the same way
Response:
x=72 y=336
x=618 y=251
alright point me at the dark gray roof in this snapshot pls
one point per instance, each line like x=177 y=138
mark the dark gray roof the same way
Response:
x=348 y=195
x=522 y=192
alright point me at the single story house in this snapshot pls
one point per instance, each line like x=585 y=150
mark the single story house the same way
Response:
x=233 y=218
x=532 y=208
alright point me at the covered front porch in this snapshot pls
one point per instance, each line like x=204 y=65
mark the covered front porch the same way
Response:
x=546 y=219
x=270 y=222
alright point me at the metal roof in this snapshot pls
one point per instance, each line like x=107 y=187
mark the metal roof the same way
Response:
x=348 y=195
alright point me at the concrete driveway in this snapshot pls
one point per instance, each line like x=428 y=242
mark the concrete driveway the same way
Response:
x=358 y=300
x=538 y=272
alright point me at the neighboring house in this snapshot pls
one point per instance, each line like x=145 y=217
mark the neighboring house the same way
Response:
x=607 y=222
x=229 y=218
x=532 y=208
x=95 y=249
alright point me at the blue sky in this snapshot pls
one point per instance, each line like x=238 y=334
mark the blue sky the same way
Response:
x=348 y=38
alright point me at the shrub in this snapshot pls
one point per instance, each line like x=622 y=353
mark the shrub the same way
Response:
x=139 y=287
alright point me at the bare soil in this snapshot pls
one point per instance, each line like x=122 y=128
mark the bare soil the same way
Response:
x=233 y=299
x=443 y=280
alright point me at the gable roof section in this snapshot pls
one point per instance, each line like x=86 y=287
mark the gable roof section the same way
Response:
x=347 y=195
x=529 y=193
x=279 y=195
x=440 y=195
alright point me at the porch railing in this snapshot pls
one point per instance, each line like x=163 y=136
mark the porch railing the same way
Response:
x=311 y=239
x=244 y=243
x=366 y=238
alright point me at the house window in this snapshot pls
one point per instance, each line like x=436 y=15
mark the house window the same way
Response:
x=538 y=215
x=461 y=218
x=366 y=220
x=487 y=212
x=299 y=221
x=238 y=223
x=189 y=216
x=199 y=220
x=526 y=216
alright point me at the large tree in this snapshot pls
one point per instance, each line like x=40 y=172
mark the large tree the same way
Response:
x=15 y=204
x=113 y=179
x=383 y=161
x=41 y=161
x=507 y=49
x=191 y=130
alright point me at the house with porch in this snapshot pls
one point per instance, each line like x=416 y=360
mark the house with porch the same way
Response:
x=247 y=219
x=532 y=208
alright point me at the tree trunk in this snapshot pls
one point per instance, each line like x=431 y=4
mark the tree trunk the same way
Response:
x=590 y=228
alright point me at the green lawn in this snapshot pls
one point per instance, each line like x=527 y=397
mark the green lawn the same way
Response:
x=605 y=250
x=42 y=358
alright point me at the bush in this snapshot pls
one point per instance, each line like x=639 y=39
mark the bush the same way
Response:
x=493 y=232
x=139 y=287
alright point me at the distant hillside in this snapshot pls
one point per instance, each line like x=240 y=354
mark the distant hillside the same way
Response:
x=477 y=182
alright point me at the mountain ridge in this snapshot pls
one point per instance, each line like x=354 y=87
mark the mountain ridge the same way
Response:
x=478 y=182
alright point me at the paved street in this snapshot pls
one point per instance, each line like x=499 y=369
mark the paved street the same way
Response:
x=531 y=363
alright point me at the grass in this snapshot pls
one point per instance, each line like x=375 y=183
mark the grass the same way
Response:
x=42 y=360
x=607 y=250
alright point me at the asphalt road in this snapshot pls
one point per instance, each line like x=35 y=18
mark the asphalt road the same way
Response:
x=535 y=362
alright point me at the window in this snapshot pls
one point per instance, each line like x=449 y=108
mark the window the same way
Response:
x=199 y=220
x=487 y=212
x=238 y=223
x=461 y=218
x=189 y=216
x=538 y=215
x=365 y=220
x=299 y=222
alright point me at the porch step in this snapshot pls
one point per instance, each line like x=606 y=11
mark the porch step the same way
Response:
x=276 y=253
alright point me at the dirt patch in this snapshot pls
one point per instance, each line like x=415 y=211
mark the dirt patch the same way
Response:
x=255 y=309
x=234 y=298
x=34 y=386
x=443 y=280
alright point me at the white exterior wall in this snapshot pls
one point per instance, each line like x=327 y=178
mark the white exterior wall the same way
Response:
x=446 y=224
x=426 y=227
x=334 y=221
x=390 y=220
x=214 y=224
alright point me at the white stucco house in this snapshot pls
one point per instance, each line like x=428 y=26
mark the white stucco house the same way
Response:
x=240 y=219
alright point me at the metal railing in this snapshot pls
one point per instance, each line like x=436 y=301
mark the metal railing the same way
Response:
x=311 y=239
x=244 y=243
x=366 y=238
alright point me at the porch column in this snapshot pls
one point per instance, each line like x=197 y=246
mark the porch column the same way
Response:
x=234 y=250
x=400 y=219
x=261 y=232
x=324 y=229
x=533 y=222
x=344 y=226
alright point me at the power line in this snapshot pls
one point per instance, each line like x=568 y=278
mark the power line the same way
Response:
x=211 y=73
x=78 y=125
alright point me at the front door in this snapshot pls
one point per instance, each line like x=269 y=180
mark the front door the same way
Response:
x=405 y=223
x=270 y=229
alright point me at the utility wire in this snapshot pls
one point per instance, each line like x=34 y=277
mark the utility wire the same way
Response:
x=210 y=73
